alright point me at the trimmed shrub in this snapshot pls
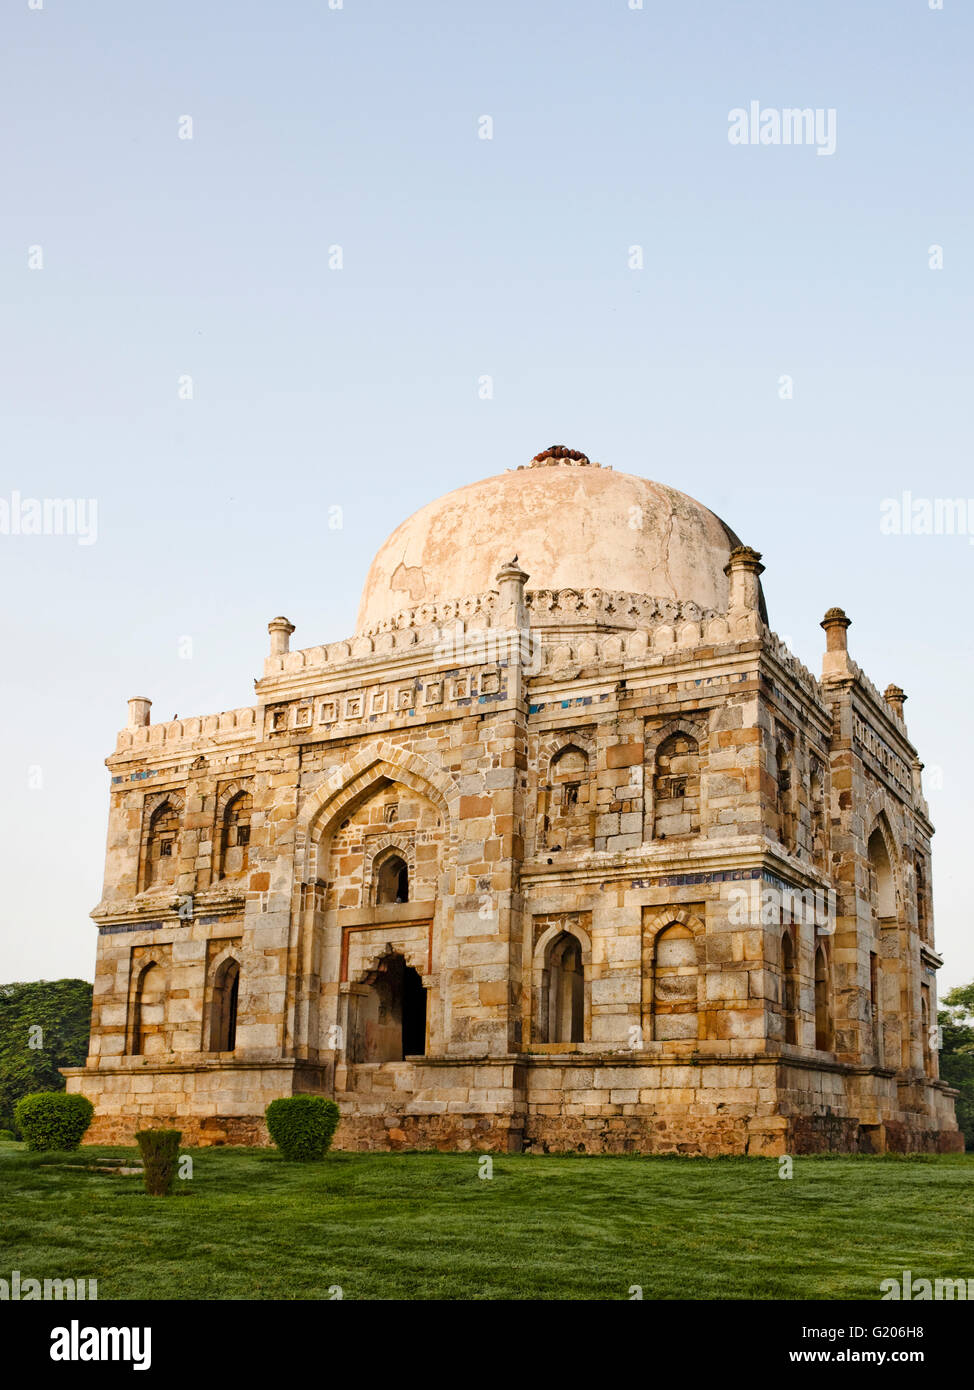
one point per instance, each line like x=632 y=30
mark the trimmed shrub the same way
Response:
x=53 y=1120
x=160 y=1152
x=302 y=1126
x=7 y=1135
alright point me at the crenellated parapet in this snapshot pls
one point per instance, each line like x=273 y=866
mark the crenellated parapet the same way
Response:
x=892 y=709
x=416 y=665
x=467 y=642
x=233 y=722
x=646 y=623
x=871 y=720
x=797 y=669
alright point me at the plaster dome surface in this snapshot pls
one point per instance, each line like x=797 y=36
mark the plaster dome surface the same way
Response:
x=570 y=524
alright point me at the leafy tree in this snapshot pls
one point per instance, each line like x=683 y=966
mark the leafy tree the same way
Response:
x=956 y=1020
x=44 y=1025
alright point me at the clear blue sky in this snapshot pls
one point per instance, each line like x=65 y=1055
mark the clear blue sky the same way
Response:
x=463 y=257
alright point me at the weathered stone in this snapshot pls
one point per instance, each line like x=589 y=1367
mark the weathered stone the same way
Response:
x=518 y=867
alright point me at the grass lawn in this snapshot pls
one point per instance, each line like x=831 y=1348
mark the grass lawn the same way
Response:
x=422 y=1226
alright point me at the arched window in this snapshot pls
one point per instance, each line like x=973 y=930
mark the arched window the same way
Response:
x=235 y=836
x=823 y=1003
x=392 y=880
x=895 y=1003
x=817 y=811
x=149 y=1012
x=925 y=1027
x=676 y=985
x=563 y=991
x=568 y=808
x=784 y=774
x=223 y=1009
x=923 y=920
x=882 y=892
x=676 y=787
x=875 y=1013
x=162 y=847
x=789 y=986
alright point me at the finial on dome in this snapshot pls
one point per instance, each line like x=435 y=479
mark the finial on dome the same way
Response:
x=558 y=453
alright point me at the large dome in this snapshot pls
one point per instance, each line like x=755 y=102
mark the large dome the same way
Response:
x=571 y=523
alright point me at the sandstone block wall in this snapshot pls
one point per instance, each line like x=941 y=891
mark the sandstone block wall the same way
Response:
x=621 y=821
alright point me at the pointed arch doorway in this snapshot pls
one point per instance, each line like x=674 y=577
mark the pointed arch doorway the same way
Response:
x=389 y=1020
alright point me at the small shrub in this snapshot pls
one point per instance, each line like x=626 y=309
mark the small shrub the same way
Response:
x=160 y=1151
x=302 y=1126
x=7 y=1135
x=53 y=1120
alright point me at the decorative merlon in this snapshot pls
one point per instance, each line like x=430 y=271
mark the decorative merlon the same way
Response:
x=880 y=701
x=547 y=607
x=353 y=663
x=233 y=721
x=796 y=668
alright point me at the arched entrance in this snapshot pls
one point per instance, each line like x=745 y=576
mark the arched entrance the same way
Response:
x=564 y=987
x=388 y=1020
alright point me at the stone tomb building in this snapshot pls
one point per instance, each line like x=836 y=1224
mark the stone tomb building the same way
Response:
x=562 y=850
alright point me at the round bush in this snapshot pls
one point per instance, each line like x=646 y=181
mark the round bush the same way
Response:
x=53 y=1120
x=160 y=1152
x=302 y=1126
x=6 y=1135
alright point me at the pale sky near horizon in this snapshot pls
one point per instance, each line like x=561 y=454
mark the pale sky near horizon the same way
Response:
x=163 y=258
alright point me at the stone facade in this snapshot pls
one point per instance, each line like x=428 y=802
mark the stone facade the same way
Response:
x=531 y=867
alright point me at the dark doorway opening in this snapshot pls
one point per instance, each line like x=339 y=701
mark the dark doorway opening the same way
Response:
x=389 y=1021
x=413 y=1014
x=232 y=1012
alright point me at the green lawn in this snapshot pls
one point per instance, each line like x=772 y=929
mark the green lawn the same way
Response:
x=420 y=1226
